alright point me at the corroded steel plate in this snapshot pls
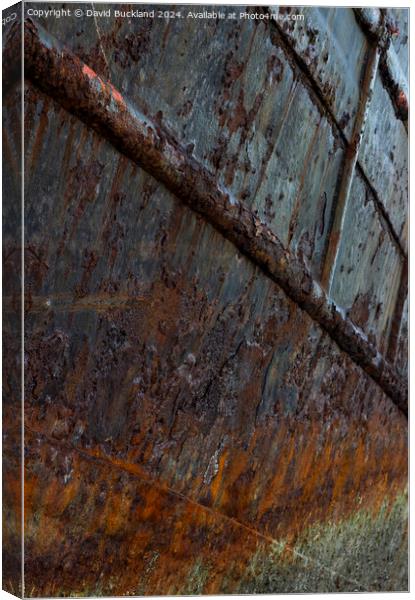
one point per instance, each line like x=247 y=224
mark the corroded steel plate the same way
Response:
x=214 y=372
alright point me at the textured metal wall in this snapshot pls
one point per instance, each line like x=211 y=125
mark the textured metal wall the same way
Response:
x=215 y=301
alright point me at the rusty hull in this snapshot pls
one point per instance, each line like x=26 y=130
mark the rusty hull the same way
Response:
x=203 y=412
x=12 y=439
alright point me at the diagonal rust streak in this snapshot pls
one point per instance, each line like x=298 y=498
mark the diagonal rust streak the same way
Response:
x=62 y=75
x=141 y=475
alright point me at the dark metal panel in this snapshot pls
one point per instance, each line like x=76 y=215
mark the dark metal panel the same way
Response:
x=225 y=120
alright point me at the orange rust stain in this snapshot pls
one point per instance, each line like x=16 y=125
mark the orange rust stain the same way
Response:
x=49 y=501
x=236 y=494
x=218 y=480
x=69 y=493
x=329 y=258
x=277 y=485
x=90 y=73
x=162 y=528
x=134 y=469
x=116 y=515
x=116 y=95
x=31 y=486
x=151 y=510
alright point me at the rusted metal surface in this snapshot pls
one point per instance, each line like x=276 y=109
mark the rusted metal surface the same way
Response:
x=323 y=56
x=99 y=104
x=219 y=131
x=140 y=537
x=370 y=19
x=233 y=417
x=331 y=56
x=198 y=412
x=394 y=61
x=350 y=161
x=384 y=157
x=11 y=326
x=241 y=135
x=358 y=280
